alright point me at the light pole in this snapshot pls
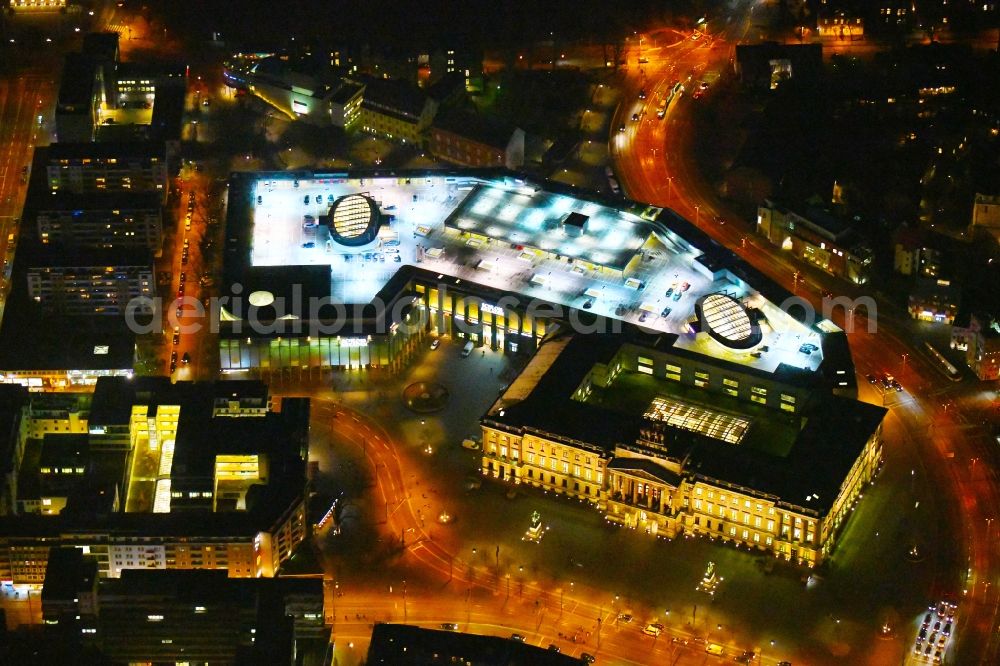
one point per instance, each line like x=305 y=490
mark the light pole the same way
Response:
x=697 y=214
x=404 y=602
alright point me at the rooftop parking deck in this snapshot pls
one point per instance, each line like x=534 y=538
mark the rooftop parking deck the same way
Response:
x=518 y=238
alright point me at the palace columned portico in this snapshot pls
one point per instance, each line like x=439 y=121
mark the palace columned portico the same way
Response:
x=641 y=495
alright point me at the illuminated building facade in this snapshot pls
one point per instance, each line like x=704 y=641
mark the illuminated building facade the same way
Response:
x=107 y=220
x=167 y=476
x=481 y=256
x=97 y=282
x=469 y=140
x=818 y=238
x=37 y=5
x=673 y=444
x=99 y=167
x=397 y=110
x=979 y=337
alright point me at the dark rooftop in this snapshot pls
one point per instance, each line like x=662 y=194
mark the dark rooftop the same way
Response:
x=345 y=91
x=64 y=450
x=405 y=645
x=68 y=573
x=394 y=96
x=486 y=130
x=54 y=255
x=168 y=113
x=141 y=149
x=78 y=81
x=101 y=45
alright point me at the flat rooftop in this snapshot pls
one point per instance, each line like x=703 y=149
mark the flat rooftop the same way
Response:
x=575 y=250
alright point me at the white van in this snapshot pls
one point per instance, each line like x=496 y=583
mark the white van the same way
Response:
x=467 y=349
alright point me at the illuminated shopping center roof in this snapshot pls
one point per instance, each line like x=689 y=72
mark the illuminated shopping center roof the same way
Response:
x=608 y=257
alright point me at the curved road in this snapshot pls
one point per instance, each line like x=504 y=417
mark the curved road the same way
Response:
x=653 y=163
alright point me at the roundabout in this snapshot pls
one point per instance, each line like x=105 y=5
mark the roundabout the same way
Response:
x=425 y=397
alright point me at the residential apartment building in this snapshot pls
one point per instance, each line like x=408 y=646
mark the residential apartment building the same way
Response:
x=978 y=336
x=817 y=237
x=110 y=167
x=471 y=140
x=397 y=110
x=183 y=616
x=102 y=220
x=94 y=282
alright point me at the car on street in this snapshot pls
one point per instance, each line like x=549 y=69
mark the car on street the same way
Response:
x=685 y=286
x=435 y=343
x=642 y=93
x=621 y=128
x=587 y=658
x=624 y=618
x=653 y=629
x=635 y=117
x=872 y=379
x=746 y=657
x=670 y=292
x=589 y=303
x=697 y=94
x=186 y=358
x=554 y=648
x=517 y=637
x=677 y=295
x=177 y=339
x=643 y=316
x=309 y=244
x=666 y=312
x=449 y=626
